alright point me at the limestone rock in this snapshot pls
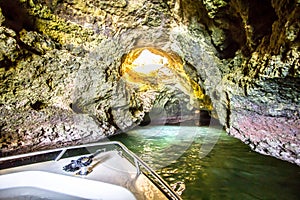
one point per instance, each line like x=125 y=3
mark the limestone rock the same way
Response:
x=61 y=80
x=9 y=48
x=1 y=17
x=36 y=42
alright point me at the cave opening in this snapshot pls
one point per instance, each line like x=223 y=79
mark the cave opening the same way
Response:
x=167 y=88
x=158 y=76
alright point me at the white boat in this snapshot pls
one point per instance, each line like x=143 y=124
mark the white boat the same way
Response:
x=106 y=170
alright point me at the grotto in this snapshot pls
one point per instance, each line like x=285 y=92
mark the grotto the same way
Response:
x=76 y=72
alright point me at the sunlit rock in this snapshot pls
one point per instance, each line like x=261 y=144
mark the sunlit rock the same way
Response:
x=150 y=68
x=111 y=64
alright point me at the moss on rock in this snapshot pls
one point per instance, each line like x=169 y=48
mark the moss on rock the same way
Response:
x=60 y=61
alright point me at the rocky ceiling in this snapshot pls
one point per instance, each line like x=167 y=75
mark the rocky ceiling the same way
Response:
x=73 y=71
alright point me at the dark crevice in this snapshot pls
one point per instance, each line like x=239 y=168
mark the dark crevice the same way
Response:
x=111 y=120
x=76 y=108
x=146 y=120
x=28 y=48
x=261 y=17
x=204 y=118
x=16 y=16
x=228 y=111
x=242 y=30
x=38 y=105
x=6 y=64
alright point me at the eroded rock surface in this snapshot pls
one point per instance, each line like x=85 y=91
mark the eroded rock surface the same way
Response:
x=61 y=79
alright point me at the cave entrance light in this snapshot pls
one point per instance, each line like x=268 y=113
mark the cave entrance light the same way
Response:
x=149 y=68
x=148 y=62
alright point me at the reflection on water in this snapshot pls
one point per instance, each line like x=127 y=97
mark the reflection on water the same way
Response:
x=229 y=171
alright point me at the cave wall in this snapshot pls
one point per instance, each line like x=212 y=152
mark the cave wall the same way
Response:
x=60 y=68
x=261 y=81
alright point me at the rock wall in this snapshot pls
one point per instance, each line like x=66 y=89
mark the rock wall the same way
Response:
x=60 y=69
x=261 y=80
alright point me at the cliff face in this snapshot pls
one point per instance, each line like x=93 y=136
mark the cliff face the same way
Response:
x=69 y=71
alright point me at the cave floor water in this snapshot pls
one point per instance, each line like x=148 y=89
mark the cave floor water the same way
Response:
x=212 y=165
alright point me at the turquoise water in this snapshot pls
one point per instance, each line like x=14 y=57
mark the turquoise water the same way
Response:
x=212 y=165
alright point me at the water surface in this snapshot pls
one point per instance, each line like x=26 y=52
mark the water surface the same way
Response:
x=211 y=164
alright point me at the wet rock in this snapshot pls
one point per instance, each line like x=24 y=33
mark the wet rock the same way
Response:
x=36 y=42
x=9 y=48
x=56 y=128
x=60 y=66
x=276 y=136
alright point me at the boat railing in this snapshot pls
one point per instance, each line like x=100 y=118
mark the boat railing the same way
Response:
x=136 y=160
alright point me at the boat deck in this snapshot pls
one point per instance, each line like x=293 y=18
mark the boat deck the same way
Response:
x=109 y=166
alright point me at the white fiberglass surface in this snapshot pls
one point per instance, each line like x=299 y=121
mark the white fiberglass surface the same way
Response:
x=39 y=184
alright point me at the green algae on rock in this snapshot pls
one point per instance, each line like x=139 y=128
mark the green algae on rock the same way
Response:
x=60 y=62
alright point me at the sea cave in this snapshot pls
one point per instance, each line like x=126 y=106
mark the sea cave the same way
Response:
x=76 y=72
